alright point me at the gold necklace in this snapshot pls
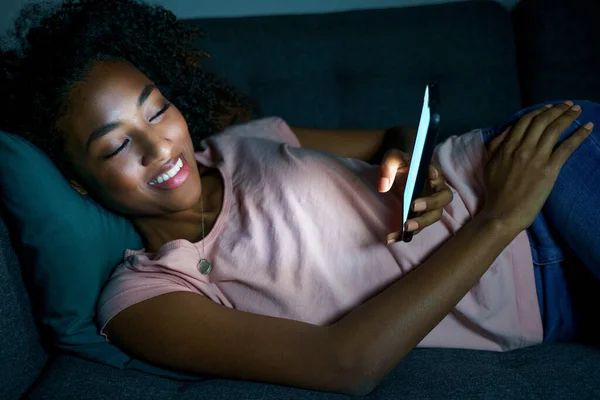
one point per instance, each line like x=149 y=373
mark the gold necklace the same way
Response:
x=204 y=266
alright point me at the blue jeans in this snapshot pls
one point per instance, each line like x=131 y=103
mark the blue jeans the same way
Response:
x=569 y=224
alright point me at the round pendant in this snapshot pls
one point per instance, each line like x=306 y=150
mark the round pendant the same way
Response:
x=204 y=266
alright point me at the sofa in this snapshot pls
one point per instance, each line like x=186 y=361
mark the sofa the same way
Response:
x=363 y=69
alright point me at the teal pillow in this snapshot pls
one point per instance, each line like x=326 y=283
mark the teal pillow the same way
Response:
x=69 y=245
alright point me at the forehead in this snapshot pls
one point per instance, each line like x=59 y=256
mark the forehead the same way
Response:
x=109 y=90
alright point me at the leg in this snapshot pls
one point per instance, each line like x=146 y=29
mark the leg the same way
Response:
x=573 y=207
x=567 y=223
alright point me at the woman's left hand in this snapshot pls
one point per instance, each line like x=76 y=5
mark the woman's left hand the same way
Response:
x=396 y=163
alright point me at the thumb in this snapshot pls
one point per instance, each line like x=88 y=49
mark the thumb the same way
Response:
x=394 y=161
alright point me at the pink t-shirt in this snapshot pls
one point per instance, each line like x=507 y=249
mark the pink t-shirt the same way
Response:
x=301 y=236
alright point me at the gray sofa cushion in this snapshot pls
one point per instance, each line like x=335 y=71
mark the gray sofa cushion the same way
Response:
x=558 y=49
x=541 y=372
x=22 y=356
x=367 y=69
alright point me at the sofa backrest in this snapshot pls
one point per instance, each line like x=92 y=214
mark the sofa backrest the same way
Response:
x=554 y=41
x=368 y=68
x=22 y=356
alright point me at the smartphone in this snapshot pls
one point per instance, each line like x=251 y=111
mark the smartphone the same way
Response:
x=422 y=153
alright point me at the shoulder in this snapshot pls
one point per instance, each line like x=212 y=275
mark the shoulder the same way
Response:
x=139 y=277
x=272 y=128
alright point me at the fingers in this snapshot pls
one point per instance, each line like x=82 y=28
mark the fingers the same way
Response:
x=435 y=170
x=431 y=206
x=566 y=148
x=441 y=197
x=521 y=126
x=416 y=225
x=534 y=123
x=496 y=142
x=433 y=173
x=393 y=162
x=550 y=135
x=438 y=200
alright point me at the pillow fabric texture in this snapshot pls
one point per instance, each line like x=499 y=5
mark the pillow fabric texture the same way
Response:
x=68 y=245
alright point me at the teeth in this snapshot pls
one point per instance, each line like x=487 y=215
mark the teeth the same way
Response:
x=169 y=174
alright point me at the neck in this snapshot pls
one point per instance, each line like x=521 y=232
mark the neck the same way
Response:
x=187 y=224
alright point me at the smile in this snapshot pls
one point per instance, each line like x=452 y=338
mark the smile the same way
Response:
x=172 y=177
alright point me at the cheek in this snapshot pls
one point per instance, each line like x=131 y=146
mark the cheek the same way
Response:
x=177 y=126
x=122 y=180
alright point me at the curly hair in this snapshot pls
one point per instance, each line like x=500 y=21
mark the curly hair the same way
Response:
x=55 y=52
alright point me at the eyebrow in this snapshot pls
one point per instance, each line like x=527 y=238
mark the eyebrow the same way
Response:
x=105 y=129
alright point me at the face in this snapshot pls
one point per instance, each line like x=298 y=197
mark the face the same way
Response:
x=128 y=145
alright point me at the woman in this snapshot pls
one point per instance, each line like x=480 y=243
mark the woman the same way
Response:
x=265 y=246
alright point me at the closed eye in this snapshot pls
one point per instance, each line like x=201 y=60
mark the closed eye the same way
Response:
x=161 y=111
x=117 y=151
x=126 y=142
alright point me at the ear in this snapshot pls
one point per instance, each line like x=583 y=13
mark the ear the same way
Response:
x=78 y=188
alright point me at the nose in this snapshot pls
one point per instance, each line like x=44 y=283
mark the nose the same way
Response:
x=155 y=147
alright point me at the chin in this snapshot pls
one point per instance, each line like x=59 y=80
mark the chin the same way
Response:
x=188 y=195
x=189 y=198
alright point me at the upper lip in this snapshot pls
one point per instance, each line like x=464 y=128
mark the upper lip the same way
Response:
x=166 y=166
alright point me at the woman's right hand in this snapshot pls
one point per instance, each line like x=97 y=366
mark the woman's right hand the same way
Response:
x=524 y=163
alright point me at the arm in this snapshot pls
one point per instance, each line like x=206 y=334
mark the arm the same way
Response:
x=188 y=332
x=363 y=144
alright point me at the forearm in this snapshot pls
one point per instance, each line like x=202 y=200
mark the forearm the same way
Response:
x=401 y=138
x=380 y=332
x=363 y=144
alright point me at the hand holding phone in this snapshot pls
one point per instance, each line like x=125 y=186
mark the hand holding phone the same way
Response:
x=422 y=153
x=422 y=177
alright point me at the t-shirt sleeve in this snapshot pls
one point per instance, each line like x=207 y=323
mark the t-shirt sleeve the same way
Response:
x=269 y=128
x=127 y=287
